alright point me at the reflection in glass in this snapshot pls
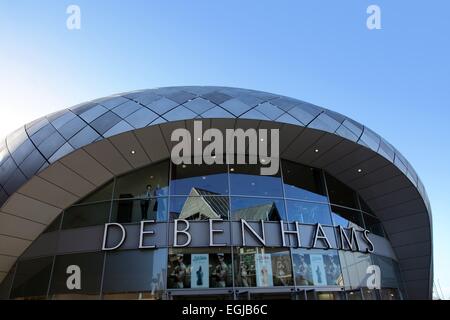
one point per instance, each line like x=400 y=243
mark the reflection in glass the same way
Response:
x=136 y=271
x=354 y=295
x=131 y=210
x=347 y=218
x=86 y=215
x=200 y=205
x=151 y=181
x=373 y=225
x=102 y=194
x=32 y=278
x=354 y=268
x=390 y=273
x=369 y=294
x=209 y=178
x=390 y=294
x=324 y=295
x=262 y=267
x=340 y=194
x=91 y=267
x=256 y=209
x=246 y=180
x=199 y=268
x=302 y=182
x=308 y=212
x=316 y=267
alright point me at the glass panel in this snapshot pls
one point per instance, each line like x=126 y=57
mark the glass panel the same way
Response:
x=340 y=194
x=256 y=209
x=91 y=267
x=262 y=267
x=199 y=268
x=369 y=294
x=102 y=194
x=150 y=181
x=246 y=180
x=199 y=105
x=317 y=267
x=105 y=122
x=373 y=225
x=136 y=271
x=325 y=295
x=302 y=182
x=188 y=179
x=390 y=294
x=201 y=206
x=347 y=218
x=32 y=278
x=354 y=295
x=5 y=285
x=354 y=268
x=129 y=210
x=308 y=212
x=364 y=206
x=86 y=215
x=84 y=137
x=54 y=226
x=390 y=273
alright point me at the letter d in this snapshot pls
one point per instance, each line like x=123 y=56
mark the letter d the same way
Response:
x=105 y=236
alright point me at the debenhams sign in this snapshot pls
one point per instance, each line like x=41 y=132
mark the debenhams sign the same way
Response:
x=220 y=233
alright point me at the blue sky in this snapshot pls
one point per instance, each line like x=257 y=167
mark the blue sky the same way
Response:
x=394 y=80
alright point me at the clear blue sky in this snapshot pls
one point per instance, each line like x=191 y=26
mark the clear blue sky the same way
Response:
x=394 y=80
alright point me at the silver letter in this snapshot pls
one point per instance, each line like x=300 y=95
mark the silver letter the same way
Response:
x=244 y=225
x=297 y=232
x=322 y=237
x=184 y=231
x=366 y=237
x=141 y=235
x=212 y=231
x=343 y=236
x=105 y=236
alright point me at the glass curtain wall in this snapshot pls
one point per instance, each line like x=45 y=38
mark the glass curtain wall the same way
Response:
x=164 y=192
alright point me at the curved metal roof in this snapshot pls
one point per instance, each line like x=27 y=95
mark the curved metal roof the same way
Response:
x=38 y=145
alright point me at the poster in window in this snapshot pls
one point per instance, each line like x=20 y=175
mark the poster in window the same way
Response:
x=220 y=270
x=332 y=269
x=302 y=268
x=282 y=269
x=199 y=271
x=318 y=270
x=264 y=274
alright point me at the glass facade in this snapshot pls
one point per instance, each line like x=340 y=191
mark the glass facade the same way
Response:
x=164 y=192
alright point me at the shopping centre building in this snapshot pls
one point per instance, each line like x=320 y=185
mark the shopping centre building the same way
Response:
x=92 y=207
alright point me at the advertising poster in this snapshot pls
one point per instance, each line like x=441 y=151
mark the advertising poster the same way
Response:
x=302 y=268
x=199 y=271
x=220 y=270
x=263 y=262
x=318 y=270
x=333 y=269
x=282 y=269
